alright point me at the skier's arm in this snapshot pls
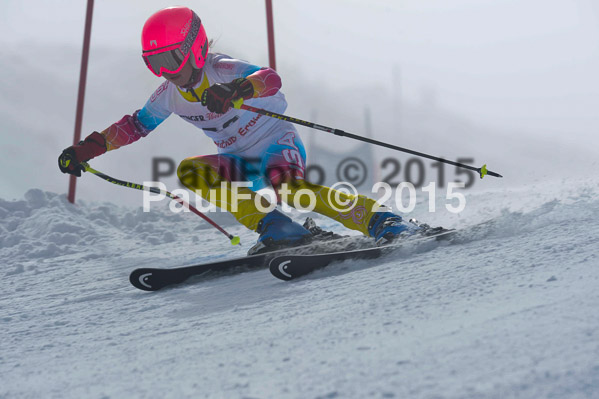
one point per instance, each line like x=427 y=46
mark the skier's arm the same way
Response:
x=133 y=127
x=265 y=81
x=245 y=81
x=127 y=130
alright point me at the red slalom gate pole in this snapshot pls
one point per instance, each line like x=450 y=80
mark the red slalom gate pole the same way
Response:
x=270 y=26
x=81 y=95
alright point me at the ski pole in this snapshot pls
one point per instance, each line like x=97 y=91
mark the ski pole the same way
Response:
x=235 y=240
x=482 y=171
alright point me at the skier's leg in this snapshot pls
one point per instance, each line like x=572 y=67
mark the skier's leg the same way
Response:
x=284 y=165
x=212 y=177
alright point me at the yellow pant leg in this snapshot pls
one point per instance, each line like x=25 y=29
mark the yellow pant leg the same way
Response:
x=355 y=215
x=200 y=176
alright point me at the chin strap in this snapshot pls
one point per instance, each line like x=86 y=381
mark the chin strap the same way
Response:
x=196 y=75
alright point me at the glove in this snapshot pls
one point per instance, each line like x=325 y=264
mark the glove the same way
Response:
x=219 y=97
x=70 y=159
x=67 y=162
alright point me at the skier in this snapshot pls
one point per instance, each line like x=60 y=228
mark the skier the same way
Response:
x=200 y=87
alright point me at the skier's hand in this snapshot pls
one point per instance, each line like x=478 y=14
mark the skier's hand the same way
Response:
x=68 y=163
x=70 y=159
x=219 y=97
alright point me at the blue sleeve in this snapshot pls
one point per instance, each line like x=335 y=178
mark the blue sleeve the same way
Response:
x=156 y=109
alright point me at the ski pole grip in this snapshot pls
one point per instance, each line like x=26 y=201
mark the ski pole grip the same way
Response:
x=237 y=103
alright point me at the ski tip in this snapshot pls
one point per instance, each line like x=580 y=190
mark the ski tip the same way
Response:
x=145 y=280
x=235 y=240
x=279 y=267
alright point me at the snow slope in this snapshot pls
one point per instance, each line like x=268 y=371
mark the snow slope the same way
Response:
x=508 y=312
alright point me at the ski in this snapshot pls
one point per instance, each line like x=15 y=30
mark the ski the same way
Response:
x=338 y=247
x=289 y=267
x=154 y=279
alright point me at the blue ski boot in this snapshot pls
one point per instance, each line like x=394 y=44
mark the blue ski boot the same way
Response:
x=386 y=227
x=278 y=231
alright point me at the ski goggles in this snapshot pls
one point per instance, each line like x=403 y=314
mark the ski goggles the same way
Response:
x=171 y=61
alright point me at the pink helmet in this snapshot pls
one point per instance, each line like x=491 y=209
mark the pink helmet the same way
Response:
x=168 y=38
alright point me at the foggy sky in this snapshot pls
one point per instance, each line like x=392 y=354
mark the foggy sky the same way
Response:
x=528 y=64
